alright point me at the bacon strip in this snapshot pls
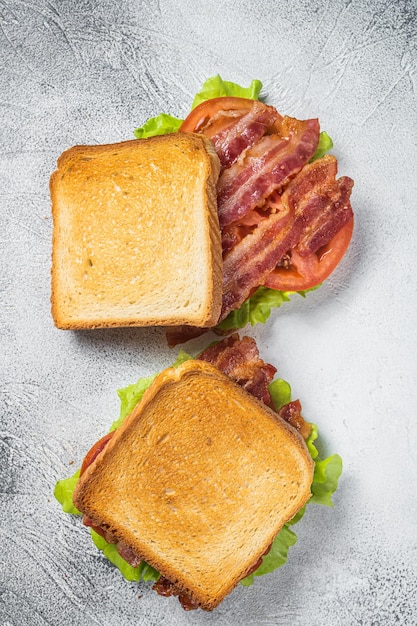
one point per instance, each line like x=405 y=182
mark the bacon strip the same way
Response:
x=251 y=260
x=335 y=212
x=127 y=554
x=166 y=588
x=180 y=334
x=232 y=234
x=239 y=359
x=231 y=141
x=267 y=166
x=291 y=413
x=322 y=202
x=314 y=208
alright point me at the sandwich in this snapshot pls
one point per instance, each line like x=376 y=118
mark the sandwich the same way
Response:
x=136 y=239
x=201 y=223
x=197 y=484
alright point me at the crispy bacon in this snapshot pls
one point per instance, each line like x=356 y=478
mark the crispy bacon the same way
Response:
x=291 y=413
x=180 y=334
x=265 y=167
x=166 y=588
x=321 y=201
x=315 y=206
x=243 y=132
x=232 y=234
x=127 y=554
x=309 y=218
x=273 y=204
x=253 y=258
x=336 y=212
x=239 y=359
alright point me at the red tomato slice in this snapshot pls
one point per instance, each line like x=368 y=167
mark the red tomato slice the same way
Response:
x=95 y=451
x=305 y=273
x=204 y=111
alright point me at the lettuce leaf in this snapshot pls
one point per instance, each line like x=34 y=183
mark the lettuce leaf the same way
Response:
x=325 y=482
x=326 y=472
x=216 y=87
x=129 y=397
x=324 y=146
x=63 y=493
x=255 y=309
x=162 y=124
x=258 y=307
x=280 y=392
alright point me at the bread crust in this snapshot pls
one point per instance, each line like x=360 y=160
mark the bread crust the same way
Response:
x=213 y=472
x=136 y=239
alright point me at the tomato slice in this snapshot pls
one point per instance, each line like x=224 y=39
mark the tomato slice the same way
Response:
x=307 y=272
x=95 y=451
x=204 y=111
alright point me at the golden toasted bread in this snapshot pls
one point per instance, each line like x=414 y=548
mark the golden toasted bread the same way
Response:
x=136 y=239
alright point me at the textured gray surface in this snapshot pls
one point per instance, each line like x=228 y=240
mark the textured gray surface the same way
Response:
x=87 y=72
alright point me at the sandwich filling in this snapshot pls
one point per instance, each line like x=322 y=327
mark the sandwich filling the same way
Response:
x=279 y=213
x=272 y=186
x=286 y=220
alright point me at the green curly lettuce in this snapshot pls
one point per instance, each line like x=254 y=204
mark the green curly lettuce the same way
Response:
x=323 y=147
x=216 y=87
x=258 y=307
x=63 y=492
x=325 y=481
x=162 y=124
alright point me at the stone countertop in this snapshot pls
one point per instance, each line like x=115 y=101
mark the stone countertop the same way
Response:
x=90 y=72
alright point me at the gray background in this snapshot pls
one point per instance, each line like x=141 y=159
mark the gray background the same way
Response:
x=90 y=72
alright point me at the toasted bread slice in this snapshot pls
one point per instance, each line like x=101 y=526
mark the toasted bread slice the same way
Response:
x=136 y=239
x=198 y=480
